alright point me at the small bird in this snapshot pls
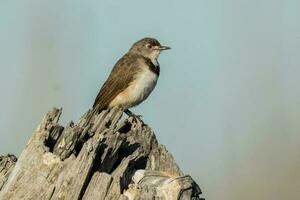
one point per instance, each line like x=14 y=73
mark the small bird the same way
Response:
x=132 y=79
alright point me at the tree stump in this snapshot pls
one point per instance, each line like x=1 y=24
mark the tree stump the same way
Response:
x=99 y=157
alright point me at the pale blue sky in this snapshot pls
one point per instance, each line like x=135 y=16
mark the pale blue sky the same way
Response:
x=227 y=101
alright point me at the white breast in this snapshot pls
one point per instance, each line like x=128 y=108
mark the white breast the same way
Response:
x=138 y=91
x=144 y=85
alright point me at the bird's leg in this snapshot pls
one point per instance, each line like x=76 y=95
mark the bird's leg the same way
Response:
x=131 y=114
x=134 y=116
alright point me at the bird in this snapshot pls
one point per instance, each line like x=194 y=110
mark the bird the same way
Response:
x=132 y=78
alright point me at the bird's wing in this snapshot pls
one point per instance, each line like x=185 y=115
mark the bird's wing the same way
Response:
x=119 y=79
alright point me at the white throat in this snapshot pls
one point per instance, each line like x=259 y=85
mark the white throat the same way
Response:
x=155 y=62
x=154 y=56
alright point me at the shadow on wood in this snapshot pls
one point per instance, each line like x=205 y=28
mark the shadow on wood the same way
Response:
x=102 y=158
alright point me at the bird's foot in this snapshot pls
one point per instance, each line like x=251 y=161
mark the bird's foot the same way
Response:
x=135 y=118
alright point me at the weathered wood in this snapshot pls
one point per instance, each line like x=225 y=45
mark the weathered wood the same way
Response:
x=100 y=157
x=98 y=186
x=7 y=163
x=148 y=183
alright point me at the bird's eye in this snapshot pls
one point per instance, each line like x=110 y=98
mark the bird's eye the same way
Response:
x=149 y=46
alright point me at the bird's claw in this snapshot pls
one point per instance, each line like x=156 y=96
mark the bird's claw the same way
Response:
x=135 y=118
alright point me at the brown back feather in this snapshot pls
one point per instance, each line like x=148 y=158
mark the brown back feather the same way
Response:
x=119 y=79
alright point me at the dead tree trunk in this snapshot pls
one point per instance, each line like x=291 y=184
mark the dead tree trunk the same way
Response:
x=104 y=158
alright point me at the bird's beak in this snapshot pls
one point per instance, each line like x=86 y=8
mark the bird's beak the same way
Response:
x=164 y=48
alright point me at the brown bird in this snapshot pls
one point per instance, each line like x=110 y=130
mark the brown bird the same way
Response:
x=133 y=77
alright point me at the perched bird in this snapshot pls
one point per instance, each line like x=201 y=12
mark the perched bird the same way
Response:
x=133 y=77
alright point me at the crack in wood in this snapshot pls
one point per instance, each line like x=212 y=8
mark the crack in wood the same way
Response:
x=99 y=157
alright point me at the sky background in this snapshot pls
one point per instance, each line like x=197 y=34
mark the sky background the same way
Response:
x=227 y=101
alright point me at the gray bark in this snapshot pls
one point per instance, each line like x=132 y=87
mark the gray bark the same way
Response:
x=103 y=157
x=7 y=164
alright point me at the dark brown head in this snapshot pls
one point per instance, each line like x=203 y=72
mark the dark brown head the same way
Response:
x=148 y=47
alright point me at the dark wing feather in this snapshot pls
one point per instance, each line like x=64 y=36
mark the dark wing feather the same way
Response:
x=120 y=77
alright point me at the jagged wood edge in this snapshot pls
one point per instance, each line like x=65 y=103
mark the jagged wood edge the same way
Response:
x=63 y=163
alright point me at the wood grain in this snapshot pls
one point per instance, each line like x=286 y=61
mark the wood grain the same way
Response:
x=106 y=158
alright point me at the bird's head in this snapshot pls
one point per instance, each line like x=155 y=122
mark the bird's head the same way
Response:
x=149 y=48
